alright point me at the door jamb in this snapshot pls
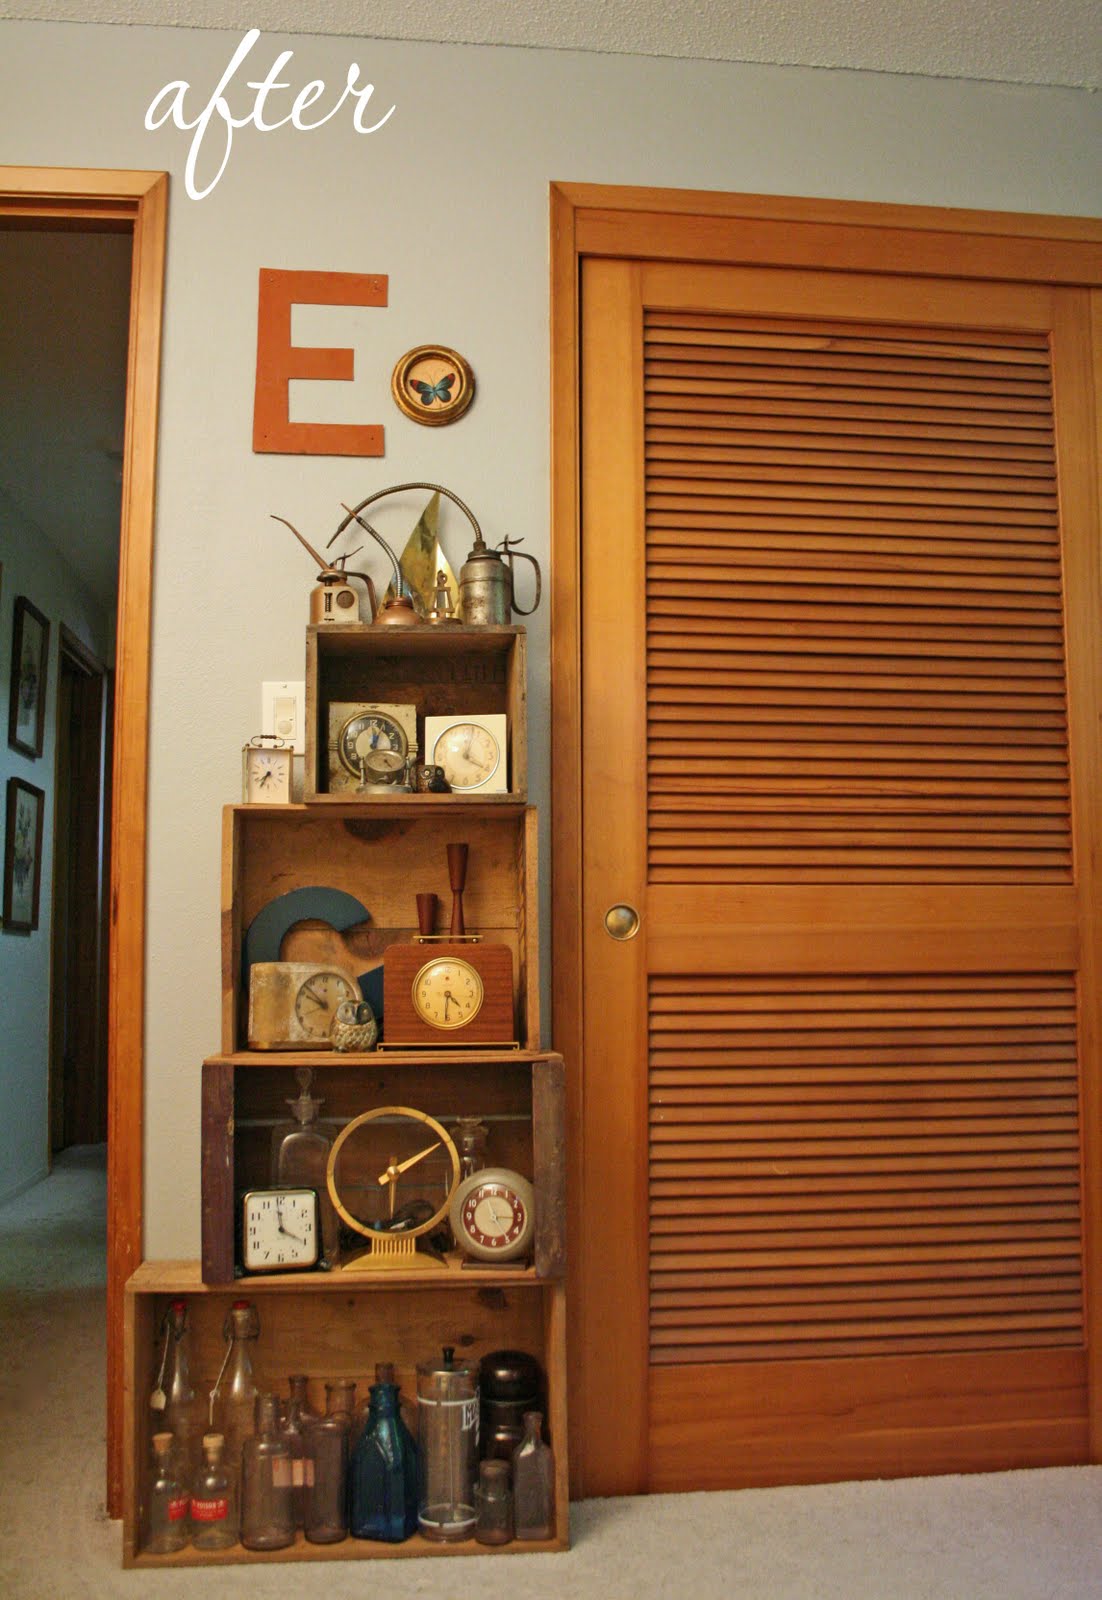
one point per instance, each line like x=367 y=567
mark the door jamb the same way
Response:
x=769 y=231
x=87 y=199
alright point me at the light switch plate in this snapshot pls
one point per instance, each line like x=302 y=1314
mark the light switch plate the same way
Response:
x=283 y=712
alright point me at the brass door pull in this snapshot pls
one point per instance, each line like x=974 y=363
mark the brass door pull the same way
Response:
x=621 y=922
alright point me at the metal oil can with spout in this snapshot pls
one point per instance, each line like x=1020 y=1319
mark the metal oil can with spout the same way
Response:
x=487 y=584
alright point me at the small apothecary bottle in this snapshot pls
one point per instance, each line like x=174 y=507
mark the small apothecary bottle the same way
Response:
x=168 y=1500
x=297 y=1418
x=267 y=1499
x=213 y=1513
x=327 y=1448
x=533 y=1482
x=493 y=1503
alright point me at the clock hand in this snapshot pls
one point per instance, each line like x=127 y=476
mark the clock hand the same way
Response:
x=395 y=1168
x=311 y=994
x=265 y=777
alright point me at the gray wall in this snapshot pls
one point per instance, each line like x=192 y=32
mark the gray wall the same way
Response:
x=450 y=200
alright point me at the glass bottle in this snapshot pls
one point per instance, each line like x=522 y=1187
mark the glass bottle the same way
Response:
x=533 y=1482
x=233 y=1403
x=447 y=1445
x=493 y=1503
x=382 y=1474
x=267 y=1496
x=470 y=1141
x=174 y=1398
x=213 y=1512
x=299 y=1155
x=168 y=1500
x=327 y=1446
x=296 y=1420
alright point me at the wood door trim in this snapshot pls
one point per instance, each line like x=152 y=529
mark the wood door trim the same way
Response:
x=645 y=223
x=73 y=197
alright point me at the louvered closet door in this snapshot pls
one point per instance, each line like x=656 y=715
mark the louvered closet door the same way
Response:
x=833 y=1162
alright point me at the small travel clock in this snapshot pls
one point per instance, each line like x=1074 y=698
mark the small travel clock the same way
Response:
x=266 y=766
x=493 y=1215
x=279 y=1230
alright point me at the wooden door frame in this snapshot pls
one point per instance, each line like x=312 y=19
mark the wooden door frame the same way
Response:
x=589 y=220
x=87 y=200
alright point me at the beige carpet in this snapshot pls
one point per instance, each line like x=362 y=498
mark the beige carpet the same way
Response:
x=1003 y=1536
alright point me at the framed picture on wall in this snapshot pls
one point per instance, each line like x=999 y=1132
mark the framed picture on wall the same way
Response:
x=30 y=655
x=23 y=856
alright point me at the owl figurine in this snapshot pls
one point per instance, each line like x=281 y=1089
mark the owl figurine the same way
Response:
x=354 y=1026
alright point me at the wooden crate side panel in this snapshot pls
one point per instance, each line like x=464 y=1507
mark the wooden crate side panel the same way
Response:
x=218 y=1176
x=549 y=1152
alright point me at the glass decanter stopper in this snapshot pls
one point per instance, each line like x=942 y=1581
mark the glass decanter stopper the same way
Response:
x=299 y=1155
x=213 y=1513
x=267 y=1497
x=168 y=1500
x=493 y=1503
x=327 y=1447
x=470 y=1140
x=382 y=1474
x=533 y=1482
x=296 y=1420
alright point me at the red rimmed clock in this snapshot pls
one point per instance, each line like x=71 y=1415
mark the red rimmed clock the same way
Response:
x=493 y=1215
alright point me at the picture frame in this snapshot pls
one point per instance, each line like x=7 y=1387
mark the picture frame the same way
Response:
x=432 y=385
x=26 y=811
x=30 y=659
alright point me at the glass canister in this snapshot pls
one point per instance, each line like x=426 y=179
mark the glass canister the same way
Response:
x=447 y=1406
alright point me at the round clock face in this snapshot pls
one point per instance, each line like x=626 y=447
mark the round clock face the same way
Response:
x=365 y=734
x=447 y=992
x=468 y=753
x=493 y=1215
x=281 y=1229
x=317 y=1002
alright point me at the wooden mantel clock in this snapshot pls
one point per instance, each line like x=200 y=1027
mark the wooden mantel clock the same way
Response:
x=450 y=990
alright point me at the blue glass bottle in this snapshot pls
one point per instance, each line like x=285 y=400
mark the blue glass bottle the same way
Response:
x=382 y=1477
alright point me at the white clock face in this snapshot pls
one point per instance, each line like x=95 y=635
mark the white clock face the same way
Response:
x=469 y=754
x=269 y=775
x=318 y=1000
x=281 y=1229
x=447 y=993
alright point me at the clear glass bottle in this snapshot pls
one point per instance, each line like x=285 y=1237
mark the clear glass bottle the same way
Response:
x=213 y=1512
x=327 y=1445
x=447 y=1444
x=169 y=1500
x=296 y=1419
x=180 y=1410
x=299 y=1155
x=493 y=1503
x=267 y=1495
x=471 y=1135
x=533 y=1482
x=382 y=1474
x=233 y=1404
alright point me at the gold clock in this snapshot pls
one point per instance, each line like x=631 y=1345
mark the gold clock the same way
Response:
x=383 y=1188
x=448 y=992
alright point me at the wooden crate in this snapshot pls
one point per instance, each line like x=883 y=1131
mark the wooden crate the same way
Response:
x=520 y=1095
x=383 y=854
x=442 y=671
x=334 y=1331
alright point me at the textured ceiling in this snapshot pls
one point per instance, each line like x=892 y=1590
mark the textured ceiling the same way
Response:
x=1012 y=41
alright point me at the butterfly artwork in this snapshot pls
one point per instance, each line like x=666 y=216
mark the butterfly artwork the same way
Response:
x=432 y=385
x=428 y=392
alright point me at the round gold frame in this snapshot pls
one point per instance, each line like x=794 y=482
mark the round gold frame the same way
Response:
x=429 y=364
x=373 y=1116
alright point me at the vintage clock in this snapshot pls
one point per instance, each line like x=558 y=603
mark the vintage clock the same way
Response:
x=473 y=751
x=266 y=767
x=279 y=1230
x=294 y=1004
x=391 y=1176
x=360 y=731
x=493 y=1215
